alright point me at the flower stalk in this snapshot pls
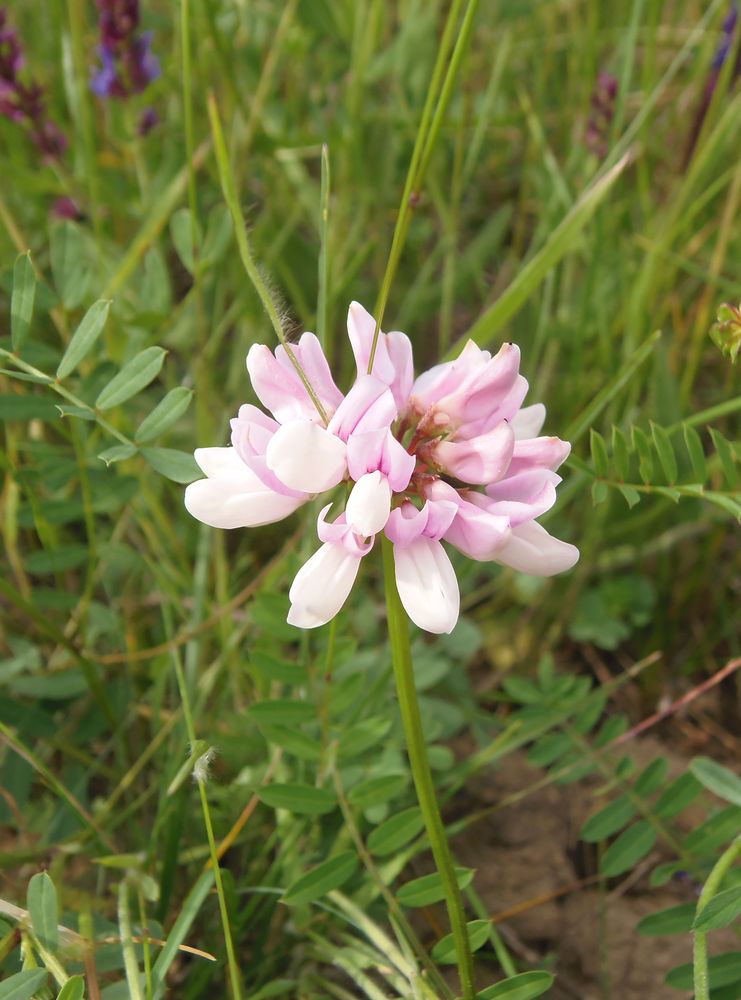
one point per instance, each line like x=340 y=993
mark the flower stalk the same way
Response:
x=710 y=889
x=401 y=655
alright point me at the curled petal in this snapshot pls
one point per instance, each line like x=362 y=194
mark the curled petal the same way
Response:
x=530 y=549
x=380 y=450
x=221 y=463
x=322 y=585
x=368 y=406
x=479 y=460
x=406 y=524
x=369 y=504
x=506 y=409
x=427 y=585
x=339 y=532
x=478 y=533
x=522 y=497
x=306 y=457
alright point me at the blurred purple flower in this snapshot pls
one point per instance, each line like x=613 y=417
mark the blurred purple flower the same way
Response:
x=24 y=102
x=149 y=119
x=128 y=64
x=67 y=208
x=601 y=114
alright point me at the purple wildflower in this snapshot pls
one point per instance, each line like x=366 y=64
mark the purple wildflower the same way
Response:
x=128 y=64
x=601 y=114
x=24 y=102
x=148 y=120
x=67 y=208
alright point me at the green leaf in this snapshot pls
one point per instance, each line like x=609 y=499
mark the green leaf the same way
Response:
x=600 y=492
x=444 y=951
x=188 y=911
x=282 y=711
x=41 y=901
x=609 y=820
x=665 y=451
x=73 y=989
x=133 y=377
x=179 y=466
x=273 y=668
x=717 y=779
x=726 y=503
x=652 y=777
x=65 y=410
x=117 y=453
x=722 y=971
x=318 y=881
x=396 y=831
x=84 y=338
x=673 y=920
x=721 y=827
x=599 y=453
x=645 y=455
x=719 y=911
x=680 y=793
x=357 y=739
x=525 y=986
x=14 y=406
x=620 y=453
x=303 y=799
x=631 y=495
x=67 y=253
x=558 y=243
x=167 y=412
x=375 y=791
x=276 y=988
x=696 y=452
x=57 y=560
x=23 y=985
x=293 y=741
x=727 y=458
x=22 y=299
x=182 y=235
x=632 y=845
x=429 y=888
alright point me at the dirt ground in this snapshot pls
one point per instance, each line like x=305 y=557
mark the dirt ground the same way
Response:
x=529 y=858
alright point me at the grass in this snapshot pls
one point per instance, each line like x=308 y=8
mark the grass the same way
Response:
x=130 y=631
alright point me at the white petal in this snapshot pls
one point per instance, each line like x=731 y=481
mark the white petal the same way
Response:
x=306 y=457
x=528 y=422
x=369 y=504
x=530 y=549
x=321 y=586
x=427 y=585
x=233 y=503
x=223 y=463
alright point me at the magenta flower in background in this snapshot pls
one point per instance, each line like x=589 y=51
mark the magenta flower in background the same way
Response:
x=128 y=64
x=24 y=102
x=452 y=456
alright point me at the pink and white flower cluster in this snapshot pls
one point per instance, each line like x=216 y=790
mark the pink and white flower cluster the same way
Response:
x=452 y=456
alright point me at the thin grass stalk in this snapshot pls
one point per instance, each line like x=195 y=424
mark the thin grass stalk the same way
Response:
x=401 y=656
x=710 y=889
x=228 y=187
x=421 y=153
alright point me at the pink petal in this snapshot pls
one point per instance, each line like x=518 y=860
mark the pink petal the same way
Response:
x=479 y=460
x=528 y=422
x=427 y=585
x=530 y=549
x=322 y=586
x=368 y=406
x=545 y=452
x=379 y=449
x=369 y=504
x=306 y=457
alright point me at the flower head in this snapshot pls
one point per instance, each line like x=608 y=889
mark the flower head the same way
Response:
x=23 y=102
x=452 y=456
x=128 y=64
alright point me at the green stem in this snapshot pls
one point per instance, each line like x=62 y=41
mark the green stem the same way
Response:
x=401 y=655
x=229 y=189
x=716 y=876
